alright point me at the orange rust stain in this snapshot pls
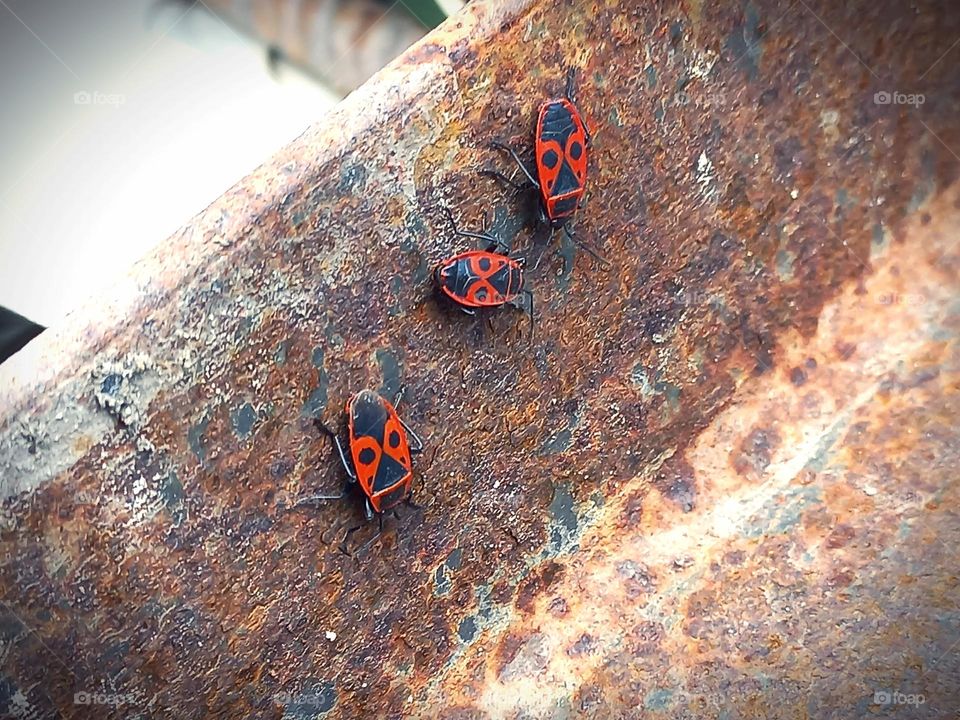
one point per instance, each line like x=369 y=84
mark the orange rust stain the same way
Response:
x=654 y=569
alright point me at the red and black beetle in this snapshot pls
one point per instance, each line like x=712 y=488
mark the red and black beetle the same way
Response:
x=380 y=456
x=561 y=144
x=482 y=278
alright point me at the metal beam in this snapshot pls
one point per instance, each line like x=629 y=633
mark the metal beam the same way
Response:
x=720 y=481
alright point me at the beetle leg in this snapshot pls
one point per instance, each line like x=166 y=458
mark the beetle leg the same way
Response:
x=499 y=246
x=368 y=543
x=469 y=312
x=323 y=537
x=571 y=75
x=496 y=244
x=529 y=294
x=346 y=536
x=490 y=238
x=516 y=158
x=517 y=187
x=543 y=249
x=343 y=457
x=586 y=128
x=419 y=446
x=314 y=499
x=586 y=247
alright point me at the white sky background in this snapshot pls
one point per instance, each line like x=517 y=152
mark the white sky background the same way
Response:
x=87 y=189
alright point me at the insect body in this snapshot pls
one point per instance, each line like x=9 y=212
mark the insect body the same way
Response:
x=561 y=148
x=379 y=455
x=482 y=278
x=561 y=144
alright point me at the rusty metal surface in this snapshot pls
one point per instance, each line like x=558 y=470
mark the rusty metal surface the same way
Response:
x=720 y=481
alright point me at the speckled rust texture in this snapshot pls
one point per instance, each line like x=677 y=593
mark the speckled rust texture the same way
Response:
x=719 y=481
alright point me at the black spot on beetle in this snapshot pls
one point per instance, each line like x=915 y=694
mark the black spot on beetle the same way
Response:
x=550 y=159
x=367 y=456
x=394 y=439
x=576 y=150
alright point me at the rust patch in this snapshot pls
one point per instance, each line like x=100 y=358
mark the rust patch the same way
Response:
x=537 y=583
x=761 y=213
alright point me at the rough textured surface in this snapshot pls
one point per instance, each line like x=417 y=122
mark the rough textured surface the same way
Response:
x=720 y=481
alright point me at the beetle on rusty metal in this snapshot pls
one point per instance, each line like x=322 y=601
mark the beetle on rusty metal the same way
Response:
x=560 y=144
x=476 y=279
x=380 y=457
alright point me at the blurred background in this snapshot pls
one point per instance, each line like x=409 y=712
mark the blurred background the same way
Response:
x=123 y=120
